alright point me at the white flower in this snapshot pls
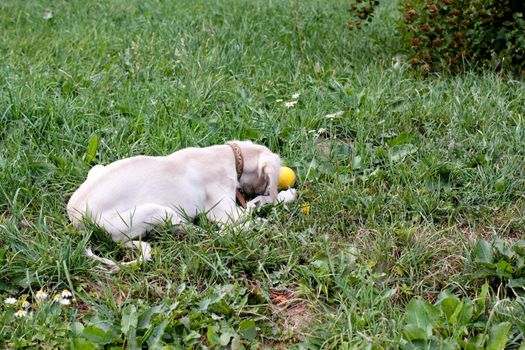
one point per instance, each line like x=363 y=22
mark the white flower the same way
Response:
x=21 y=313
x=57 y=297
x=322 y=131
x=10 y=301
x=290 y=104
x=296 y=96
x=65 y=301
x=334 y=115
x=47 y=15
x=66 y=294
x=25 y=304
x=41 y=295
x=398 y=61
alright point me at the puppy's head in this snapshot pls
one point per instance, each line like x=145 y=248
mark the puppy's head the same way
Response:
x=261 y=169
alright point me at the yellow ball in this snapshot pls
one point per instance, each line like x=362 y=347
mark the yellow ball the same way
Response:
x=286 y=178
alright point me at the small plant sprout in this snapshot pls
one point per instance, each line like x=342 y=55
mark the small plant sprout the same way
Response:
x=21 y=313
x=10 y=301
x=40 y=295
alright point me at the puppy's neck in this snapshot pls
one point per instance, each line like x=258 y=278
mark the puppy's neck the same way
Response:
x=239 y=161
x=239 y=164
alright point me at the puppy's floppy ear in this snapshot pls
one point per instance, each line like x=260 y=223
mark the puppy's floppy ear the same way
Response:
x=268 y=168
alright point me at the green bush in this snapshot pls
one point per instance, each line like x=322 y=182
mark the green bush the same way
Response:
x=442 y=35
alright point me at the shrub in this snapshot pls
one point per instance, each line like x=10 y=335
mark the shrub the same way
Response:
x=443 y=34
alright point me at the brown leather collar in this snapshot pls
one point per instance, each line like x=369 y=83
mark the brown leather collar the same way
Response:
x=239 y=162
x=239 y=165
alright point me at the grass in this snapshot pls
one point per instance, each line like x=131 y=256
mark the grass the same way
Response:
x=399 y=186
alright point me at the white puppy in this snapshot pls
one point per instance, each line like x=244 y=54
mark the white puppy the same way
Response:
x=128 y=196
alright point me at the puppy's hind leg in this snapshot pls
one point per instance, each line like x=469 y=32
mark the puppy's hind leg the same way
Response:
x=126 y=226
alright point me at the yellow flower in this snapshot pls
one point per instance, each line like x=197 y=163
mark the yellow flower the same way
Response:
x=305 y=209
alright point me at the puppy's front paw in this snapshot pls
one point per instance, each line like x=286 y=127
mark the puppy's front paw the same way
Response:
x=287 y=196
x=251 y=205
x=258 y=201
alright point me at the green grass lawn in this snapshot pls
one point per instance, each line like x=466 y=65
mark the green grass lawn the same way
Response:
x=410 y=198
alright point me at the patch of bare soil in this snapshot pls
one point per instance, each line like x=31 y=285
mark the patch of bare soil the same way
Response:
x=296 y=313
